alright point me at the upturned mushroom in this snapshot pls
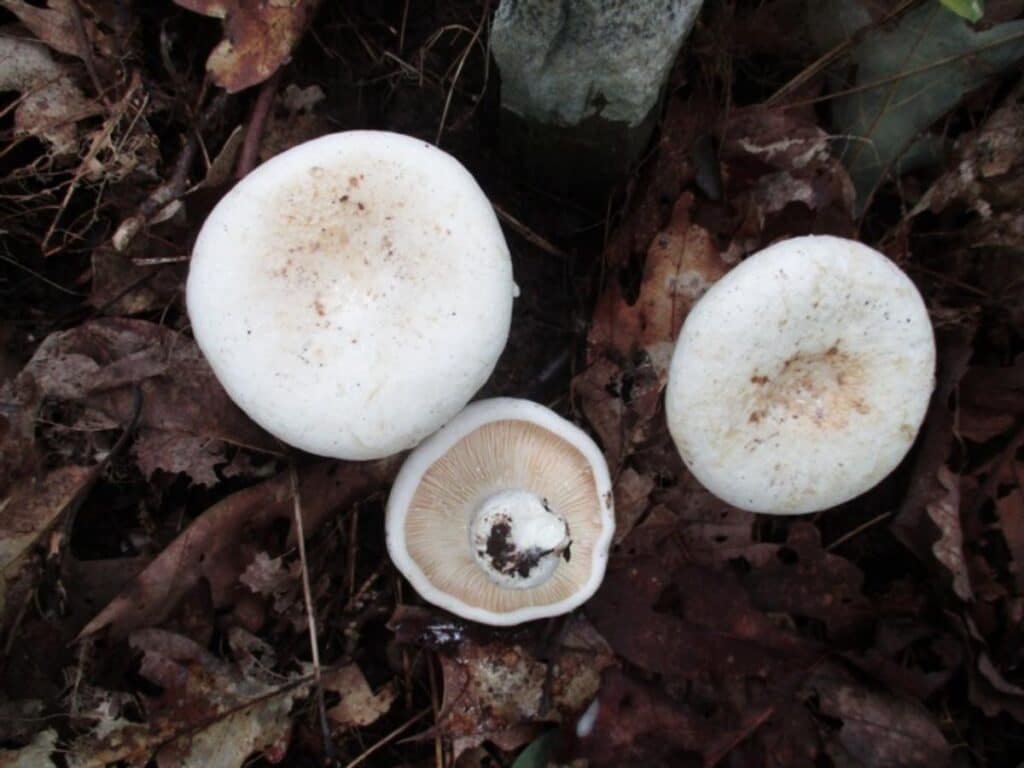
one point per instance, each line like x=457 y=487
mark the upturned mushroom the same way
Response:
x=801 y=378
x=503 y=516
x=352 y=293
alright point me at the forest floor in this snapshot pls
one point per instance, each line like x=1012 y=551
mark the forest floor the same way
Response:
x=151 y=598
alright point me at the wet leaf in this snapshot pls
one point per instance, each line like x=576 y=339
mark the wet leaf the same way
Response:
x=258 y=37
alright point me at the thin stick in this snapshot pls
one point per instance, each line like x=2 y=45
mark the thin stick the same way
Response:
x=250 y=153
x=435 y=705
x=858 y=530
x=528 y=234
x=307 y=595
x=389 y=738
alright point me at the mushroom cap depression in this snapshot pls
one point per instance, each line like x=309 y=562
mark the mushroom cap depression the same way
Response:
x=801 y=378
x=352 y=293
x=503 y=516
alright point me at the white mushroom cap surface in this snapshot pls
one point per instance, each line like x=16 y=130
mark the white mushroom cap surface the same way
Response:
x=801 y=378
x=352 y=293
x=503 y=516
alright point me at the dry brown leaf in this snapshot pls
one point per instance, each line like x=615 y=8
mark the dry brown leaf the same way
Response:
x=218 y=545
x=1010 y=509
x=944 y=511
x=359 y=705
x=28 y=512
x=55 y=25
x=499 y=685
x=38 y=754
x=879 y=728
x=210 y=714
x=51 y=102
x=258 y=37
x=187 y=419
x=632 y=491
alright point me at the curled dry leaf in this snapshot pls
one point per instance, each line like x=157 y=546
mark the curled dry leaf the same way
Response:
x=359 y=705
x=258 y=37
x=51 y=102
x=210 y=714
x=214 y=547
x=56 y=25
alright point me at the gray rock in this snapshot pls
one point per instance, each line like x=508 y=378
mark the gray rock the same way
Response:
x=582 y=81
x=563 y=61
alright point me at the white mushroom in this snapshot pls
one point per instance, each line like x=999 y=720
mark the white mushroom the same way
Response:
x=801 y=378
x=352 y=293
x=503 y=516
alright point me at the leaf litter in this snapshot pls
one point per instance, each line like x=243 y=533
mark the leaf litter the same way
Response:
x=152 y=607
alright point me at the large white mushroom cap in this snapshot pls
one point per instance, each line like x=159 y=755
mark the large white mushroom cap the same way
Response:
x=801 y=378
x=503 y=516
x=352 y=293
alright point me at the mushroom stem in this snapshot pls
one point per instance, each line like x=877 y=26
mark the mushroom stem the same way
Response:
x=517 y=539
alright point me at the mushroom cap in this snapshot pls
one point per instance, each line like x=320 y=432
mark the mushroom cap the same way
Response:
x=480 y=460
x=801 y=378
x=352 y=293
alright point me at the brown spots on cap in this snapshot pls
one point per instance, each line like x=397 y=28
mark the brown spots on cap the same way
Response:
x=824 y=390
x=319 y=307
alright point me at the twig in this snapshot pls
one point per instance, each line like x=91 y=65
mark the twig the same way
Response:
x=175 y=187
x=528 y=234
x=307 y=595
x=435 y=705
x=858 y=530
x=823 y=61
x=389 y=738
x=248 y=157
x=85 y=49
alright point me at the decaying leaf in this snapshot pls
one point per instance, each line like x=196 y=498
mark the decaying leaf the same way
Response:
x=51 y=102
x=214 y=547
x=55 y=24
x=498 y=687
x=878 y=728
x=258 y=37
x=38 y=754
x=28 y=512
x=359 y=705
x=187 y=420
x=949 y=549
x=210 y=714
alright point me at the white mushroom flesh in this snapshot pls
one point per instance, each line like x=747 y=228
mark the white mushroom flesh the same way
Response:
x=518 y=539
x=352 y=293
x=801 y=378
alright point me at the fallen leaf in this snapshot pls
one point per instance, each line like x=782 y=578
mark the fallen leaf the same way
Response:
x=878 y=728
x=55 y=25
x=1010 y=509
x=944 y=511
x=212 y=548
x=38 y=754
x=210 y=714
x=258 y=37
x=187 y=419
x=359 y=705
x=52 y=104
x=26 y=514
x=498 y=687
x=632 y=491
